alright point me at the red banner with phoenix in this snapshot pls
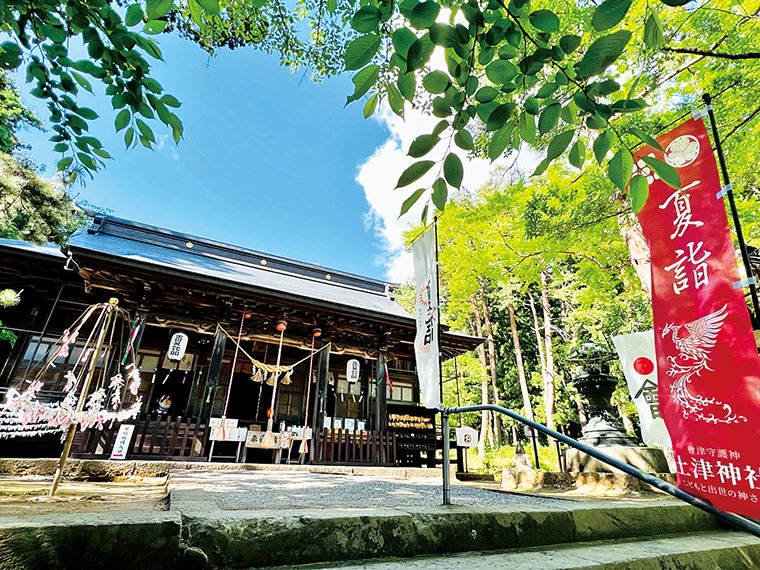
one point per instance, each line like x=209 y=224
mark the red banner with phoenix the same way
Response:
x=707 y=359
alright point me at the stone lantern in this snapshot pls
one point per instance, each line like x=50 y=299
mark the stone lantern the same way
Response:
x=603 y=430
x=595 y=385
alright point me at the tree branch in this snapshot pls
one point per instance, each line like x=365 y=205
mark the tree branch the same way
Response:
x=708 y=53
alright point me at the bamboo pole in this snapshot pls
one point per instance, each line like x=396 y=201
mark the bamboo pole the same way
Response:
x=82 y=397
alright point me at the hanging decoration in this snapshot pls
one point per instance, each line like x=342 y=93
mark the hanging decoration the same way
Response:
x=268 y=439
x=304 y=444
x=100 y=408
x=87 y=402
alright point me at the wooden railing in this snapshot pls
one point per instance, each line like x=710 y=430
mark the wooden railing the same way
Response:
x=353 y=448
x=156 y=436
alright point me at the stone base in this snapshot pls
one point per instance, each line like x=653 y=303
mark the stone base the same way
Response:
x=648 y=459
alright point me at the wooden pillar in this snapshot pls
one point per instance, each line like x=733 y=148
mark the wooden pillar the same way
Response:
x=214 y=371
x=381 y=405
x=320 y=397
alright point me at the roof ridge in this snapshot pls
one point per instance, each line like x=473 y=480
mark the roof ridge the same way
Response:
x=101 y=224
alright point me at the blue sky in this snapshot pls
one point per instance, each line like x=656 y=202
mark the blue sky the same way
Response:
x=269 y=161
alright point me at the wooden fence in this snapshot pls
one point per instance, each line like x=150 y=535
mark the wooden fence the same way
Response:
x=156 y=436
x=351 y=448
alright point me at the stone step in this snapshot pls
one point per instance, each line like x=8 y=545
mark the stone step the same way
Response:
x=248 y=539
x=703 y=551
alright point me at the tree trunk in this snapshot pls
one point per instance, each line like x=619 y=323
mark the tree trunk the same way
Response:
x=520 y=365
x=492 y=365
x=627 y=423
x=485 y=421
x=638 y=249
x=549 y=388
x=539 y=342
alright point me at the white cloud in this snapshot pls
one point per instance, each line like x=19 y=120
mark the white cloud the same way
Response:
x=380 y=172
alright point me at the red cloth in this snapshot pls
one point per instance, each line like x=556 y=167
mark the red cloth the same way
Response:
x=707 y=359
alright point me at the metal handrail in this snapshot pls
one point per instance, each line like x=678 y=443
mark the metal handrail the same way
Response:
x=732 y=519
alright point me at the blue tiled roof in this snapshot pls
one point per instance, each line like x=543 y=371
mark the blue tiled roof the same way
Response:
x=48 y=249
x=184 y=255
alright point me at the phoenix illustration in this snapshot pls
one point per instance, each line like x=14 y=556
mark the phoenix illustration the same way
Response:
x=693 y=357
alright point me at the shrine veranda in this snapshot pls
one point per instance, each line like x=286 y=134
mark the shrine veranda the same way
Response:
x=216 y=294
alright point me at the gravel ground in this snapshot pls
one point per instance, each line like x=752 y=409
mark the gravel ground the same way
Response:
x=261 y=489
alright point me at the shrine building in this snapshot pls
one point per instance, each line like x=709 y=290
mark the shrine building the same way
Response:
x=348 y=330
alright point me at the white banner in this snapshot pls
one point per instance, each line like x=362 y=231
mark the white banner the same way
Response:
x=426 y=303
x=638 y=358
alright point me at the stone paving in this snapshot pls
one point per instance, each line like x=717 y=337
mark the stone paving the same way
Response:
x=284 y=489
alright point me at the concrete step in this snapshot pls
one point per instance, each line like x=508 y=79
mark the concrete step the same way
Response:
x=703 y=551
x=248 y=539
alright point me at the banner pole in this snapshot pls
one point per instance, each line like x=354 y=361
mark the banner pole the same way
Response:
x=438 y=309
x=734 y=213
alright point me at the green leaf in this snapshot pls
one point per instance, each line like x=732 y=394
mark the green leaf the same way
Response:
x=544 y=20
x=366 y=19
x=403 y=38
x=61 y=147
x=548 y=119
x=422 y=145
x=170 y=101
x=453 y=170
x=594 y=122
x=532 y=105
x=395 y=100
x=210 y=6
x=499 y=116
x=361 y=51
x=546 y=90
x=602 y=145
x=420 y=52
x=653 y=31
x=527 y=128
x=577 y=154
x=156 y=9
x=82 y=81
x=86 y=113
x=129 y=136
x=602 y=53
x=134 y=15
x=423 y=217
x=363 y=80
x=620 y=168
x=609 y=14
x=440 y=193
x=436 y=82
x=145 y=130
x=569 y=43
x=370 y=106
x=414 y=172
x=667 y=173
x=87 y=161
x=410 y=201
x=541 y=168
x=463 y=139
x=440 y=127
x=645 y=138
x=638 y=192
x=407 y=85
x=64 y=163
x=501 y=71
x=558 y=144
x=500 y=141
x=122 y=119
x=424 y=14
x=153 y=27
x=486 y=94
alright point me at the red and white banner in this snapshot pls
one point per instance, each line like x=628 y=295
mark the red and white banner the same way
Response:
x=708 y=366
x=637 y=355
